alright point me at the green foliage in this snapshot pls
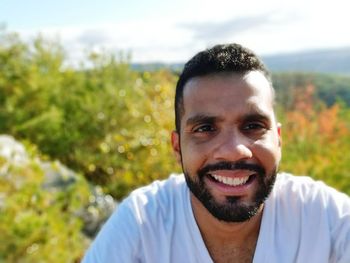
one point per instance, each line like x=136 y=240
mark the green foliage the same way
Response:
x=316 y=139
x=330 y=87
x=106 y=121
x=38 y=225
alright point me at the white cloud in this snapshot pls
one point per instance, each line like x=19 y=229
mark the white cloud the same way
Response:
x=265 y=26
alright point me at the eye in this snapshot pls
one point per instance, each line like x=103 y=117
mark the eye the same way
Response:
x=204 y=128
x=254 y=126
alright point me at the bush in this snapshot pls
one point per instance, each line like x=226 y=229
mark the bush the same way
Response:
x=37 y=224
x=106 y=121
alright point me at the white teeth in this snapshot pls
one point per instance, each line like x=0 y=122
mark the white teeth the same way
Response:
x=231 y=181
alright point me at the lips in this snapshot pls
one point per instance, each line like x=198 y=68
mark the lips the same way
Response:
x=231 y=178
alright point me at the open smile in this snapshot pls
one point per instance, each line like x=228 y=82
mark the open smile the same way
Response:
x=235 y=181
x=231 y=184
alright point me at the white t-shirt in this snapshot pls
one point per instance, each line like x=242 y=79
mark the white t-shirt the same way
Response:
x=303 y=221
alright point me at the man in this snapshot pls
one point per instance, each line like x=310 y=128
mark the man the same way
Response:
x=230 y=205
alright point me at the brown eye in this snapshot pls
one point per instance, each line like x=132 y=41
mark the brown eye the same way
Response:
x=254 y=126
x=204 y=128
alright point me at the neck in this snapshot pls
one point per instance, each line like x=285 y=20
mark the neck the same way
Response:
x=220 y=232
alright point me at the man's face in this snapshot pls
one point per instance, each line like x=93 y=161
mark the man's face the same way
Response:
x=229 y=143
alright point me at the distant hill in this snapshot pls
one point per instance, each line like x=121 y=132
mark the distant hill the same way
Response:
x=321 y=61
x=176 y=67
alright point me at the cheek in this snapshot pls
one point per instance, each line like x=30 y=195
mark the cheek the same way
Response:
x=194 y=156
x=268 y=153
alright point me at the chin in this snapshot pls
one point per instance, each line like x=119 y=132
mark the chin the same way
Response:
x=232 y=208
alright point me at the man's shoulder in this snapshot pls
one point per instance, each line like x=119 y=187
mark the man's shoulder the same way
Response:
x=302 y=184
x=310 y=215
x=307 y=191
x=160 y=196
x=168 y=186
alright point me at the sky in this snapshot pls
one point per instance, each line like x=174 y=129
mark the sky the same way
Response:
x=173 y=31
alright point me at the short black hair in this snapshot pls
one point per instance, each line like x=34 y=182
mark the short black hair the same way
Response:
x=218 y=59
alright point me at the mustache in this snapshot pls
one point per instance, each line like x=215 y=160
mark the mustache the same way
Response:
x=231 y=166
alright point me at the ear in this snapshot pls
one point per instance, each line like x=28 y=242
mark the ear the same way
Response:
x=279 y=132
x=175 y=142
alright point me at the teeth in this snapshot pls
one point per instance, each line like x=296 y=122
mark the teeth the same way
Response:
x=231 y=181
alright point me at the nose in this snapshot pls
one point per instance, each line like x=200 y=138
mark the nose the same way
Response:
x=233 y=147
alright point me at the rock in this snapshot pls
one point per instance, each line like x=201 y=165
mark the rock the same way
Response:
x=12 y=150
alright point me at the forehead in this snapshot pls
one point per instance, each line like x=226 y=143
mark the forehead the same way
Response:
x=228 y=92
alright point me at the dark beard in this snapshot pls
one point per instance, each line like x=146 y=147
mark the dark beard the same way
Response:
x=232 y=210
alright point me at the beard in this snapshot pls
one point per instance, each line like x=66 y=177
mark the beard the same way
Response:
x=233 y=209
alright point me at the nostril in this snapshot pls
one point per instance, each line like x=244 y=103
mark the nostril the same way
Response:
x=232 y=152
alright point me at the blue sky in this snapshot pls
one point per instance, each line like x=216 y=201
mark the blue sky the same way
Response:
x=172 y=31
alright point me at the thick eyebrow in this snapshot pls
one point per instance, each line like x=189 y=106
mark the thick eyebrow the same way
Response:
x=201 y=118
x=254 y=115
x=257 y=116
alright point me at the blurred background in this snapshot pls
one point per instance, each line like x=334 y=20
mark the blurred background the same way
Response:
x=86 y=103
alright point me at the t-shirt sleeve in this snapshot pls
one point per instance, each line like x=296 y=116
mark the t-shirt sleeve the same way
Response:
x=339 y=206
x=118 y=239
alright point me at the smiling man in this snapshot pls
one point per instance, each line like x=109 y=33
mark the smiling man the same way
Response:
x=230 y=205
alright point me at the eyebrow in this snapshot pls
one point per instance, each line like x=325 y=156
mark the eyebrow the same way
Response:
x=202 y=118
x=258 y=116
x=256 y=113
